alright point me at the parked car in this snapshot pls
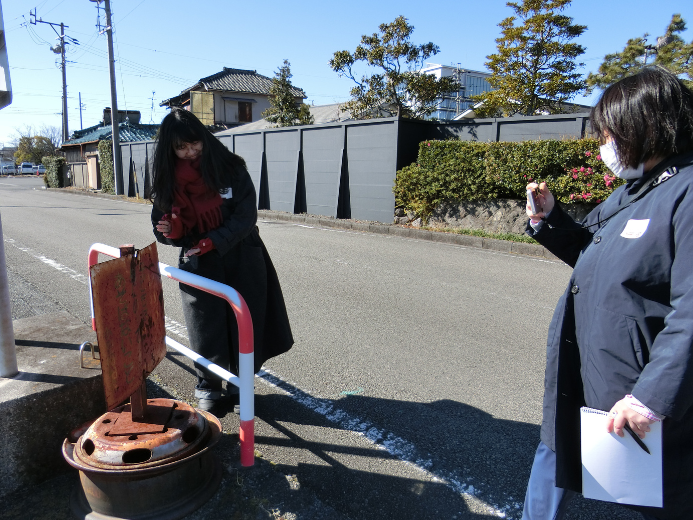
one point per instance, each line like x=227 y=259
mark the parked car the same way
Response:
x=40 y=169
x=9 y=169
x=26 y=167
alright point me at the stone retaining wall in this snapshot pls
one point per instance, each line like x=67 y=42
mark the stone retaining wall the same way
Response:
x=494 y=216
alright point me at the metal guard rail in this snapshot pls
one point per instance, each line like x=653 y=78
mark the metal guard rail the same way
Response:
x=245 y=381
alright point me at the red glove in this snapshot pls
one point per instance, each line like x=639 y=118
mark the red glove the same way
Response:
x=177 y=230
x=205 y=245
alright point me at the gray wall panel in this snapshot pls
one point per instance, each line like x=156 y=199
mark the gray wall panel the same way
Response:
x=139 y=160
x=281 y=153
x=151 y=147
x=249 y=146
x=322 y=159
x=515 y=131
x=372 y=159
x=125 y=158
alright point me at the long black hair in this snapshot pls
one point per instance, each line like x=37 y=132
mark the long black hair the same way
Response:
x=648 y=115
x=218 y=165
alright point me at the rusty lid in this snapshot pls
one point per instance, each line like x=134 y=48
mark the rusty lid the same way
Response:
x=172 y=430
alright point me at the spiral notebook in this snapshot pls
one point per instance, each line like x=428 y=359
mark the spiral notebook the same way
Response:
x=617 y=469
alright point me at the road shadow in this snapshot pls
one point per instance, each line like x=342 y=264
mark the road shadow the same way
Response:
x=466 y=454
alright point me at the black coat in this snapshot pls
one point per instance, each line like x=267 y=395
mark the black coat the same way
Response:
x=625 y=324
x=241 y=261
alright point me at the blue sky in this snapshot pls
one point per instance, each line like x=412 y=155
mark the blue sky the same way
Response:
x=165 y=46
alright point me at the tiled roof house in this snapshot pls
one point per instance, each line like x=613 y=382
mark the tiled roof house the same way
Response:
x=228 y=98
x=81 y=150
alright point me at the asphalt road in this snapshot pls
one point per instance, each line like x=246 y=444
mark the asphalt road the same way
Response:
x=414 y=387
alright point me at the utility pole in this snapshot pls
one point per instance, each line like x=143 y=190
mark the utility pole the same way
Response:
x=80 y=112
x=458 y=80
x=60 y=49
x=115 y=132
x=8 y=352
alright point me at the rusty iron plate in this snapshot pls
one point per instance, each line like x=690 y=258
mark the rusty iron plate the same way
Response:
x=184 y=432
x=158 y=415
x=129 y=317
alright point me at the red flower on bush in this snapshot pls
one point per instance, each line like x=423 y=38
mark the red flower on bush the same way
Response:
x=599 y=157
x=589 y=184
x=585 y=196
x=588 y=154
x=575 y=170
x=572 y=196
x=575 y=176
x=582 y=168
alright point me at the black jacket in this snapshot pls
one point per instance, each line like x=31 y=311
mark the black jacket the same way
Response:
x=625 y=324
x=241 y=261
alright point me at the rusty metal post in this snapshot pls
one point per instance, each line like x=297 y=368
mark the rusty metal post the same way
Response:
x=127 y=250
x=138 y=400
x=8 y=353
x=138 y=403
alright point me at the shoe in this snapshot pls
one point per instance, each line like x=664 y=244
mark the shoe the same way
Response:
x=207 y=405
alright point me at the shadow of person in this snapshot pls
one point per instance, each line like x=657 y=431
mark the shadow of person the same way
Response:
x=463 y=462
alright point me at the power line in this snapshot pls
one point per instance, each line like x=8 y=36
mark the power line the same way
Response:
x=60 y=49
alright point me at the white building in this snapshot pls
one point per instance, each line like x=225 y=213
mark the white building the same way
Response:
x=472 y=82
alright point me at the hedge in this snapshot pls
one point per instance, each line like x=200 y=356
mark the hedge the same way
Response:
x=452 y=171
x=53 y=178
x=106 y=166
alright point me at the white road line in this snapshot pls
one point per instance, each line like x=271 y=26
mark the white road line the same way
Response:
x=381 y=439
x=55 y=265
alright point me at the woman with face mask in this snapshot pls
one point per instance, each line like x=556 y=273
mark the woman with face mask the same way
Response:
x=621 y=338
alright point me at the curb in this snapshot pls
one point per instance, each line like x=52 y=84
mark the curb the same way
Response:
x=493 y=244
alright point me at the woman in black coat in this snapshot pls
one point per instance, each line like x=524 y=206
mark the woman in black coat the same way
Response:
x=621 y=338
x=205 y=203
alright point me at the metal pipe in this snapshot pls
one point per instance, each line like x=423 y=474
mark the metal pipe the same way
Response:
x=245 y=381
x=8 y=353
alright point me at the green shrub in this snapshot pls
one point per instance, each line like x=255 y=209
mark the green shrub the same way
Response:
x=452 y=171
x=53 y=178
x=106 y=166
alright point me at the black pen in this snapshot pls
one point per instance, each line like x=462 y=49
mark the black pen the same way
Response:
x=636 y=438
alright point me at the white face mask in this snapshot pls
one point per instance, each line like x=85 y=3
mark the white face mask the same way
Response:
x=608 y=153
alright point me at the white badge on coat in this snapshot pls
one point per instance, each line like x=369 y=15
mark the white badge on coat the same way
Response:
x=225 y=193
x=635 y=228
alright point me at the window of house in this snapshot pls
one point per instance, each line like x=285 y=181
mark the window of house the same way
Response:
x=245 y=112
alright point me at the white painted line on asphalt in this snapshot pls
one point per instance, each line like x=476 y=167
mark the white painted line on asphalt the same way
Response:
x=381 y=439
x=52 y=263
x=396 y=446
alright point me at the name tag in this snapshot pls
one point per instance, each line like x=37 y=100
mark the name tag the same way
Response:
x=225 y=193
x=635 y=228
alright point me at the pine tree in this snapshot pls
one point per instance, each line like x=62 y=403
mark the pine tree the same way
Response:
x=669 y=51
x=534 y=69
x=400 y=88
x=284 y=109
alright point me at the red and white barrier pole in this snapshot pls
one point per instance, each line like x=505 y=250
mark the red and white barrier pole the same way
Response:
x=246 y=369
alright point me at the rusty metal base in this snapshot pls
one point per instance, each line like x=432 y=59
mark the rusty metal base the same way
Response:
x=162 y=469
x=187 y=499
